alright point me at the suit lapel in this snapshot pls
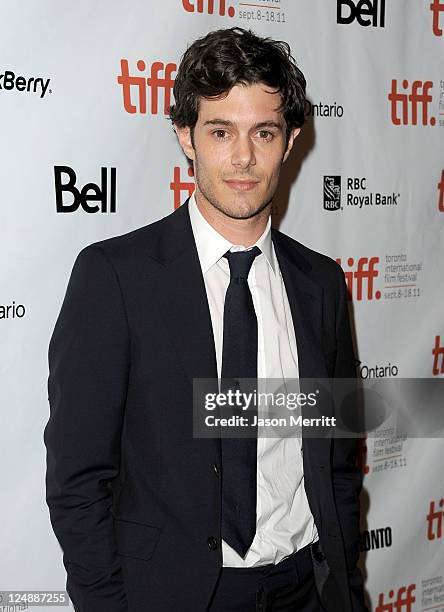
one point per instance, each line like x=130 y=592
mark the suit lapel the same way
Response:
x=305 y=297
x=183 y=299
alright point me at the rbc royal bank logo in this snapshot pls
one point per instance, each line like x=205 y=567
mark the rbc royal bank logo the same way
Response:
x=367 y=13
x=409 y=103
x=360 y=278
x=437 y=7
x=356 y=194
x=136 y=89
x=208 y=6
x=332 y=192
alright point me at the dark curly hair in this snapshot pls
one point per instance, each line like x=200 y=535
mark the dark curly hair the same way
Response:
x=213 y=64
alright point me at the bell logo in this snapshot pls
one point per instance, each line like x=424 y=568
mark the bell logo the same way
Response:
x=207 y=6
x=365 y=272
x=178 y=185
x=402 y=603
x=438 y=357
x=441 y=193
x=153 y=83
x=419 y=95
x=437 y=7
x=82 y=197
x=435 y=520
x=365 y=12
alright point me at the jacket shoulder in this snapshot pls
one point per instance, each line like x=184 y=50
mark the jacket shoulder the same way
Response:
x=320 y=266
x=135 y=245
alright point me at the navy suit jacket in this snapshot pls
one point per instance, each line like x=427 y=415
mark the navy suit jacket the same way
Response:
x=134 y=498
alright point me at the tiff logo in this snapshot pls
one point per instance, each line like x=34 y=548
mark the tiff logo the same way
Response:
x=435 y=521
x=441 y=193
x=437 y=7
x=361 y=458
x=438 y=356
x=402 y=603
x=365 y=12
x=364 y=273
x=419 y=95
x=178 y=185
x=153 y=84
x=207 y=6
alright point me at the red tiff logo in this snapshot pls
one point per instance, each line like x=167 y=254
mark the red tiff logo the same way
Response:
x=438 y=357
x=441 y=193
x=437 y=7
x=178 y=185
x=137 y=103
x=361 y=458
x=402 y=603
x=362 y=274
x=207 y=6
x=408 y=103
x=435 y=520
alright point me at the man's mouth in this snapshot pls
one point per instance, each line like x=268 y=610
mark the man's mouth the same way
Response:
x=241 y=185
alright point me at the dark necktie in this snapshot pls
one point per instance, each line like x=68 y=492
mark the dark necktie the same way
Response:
x=239 y=360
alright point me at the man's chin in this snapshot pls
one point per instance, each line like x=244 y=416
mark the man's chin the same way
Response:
x=244 y=209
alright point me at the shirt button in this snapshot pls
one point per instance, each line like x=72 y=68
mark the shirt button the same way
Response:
x=212 y=543
x=216 y=469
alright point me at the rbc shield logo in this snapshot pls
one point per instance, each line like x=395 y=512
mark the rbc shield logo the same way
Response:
x=332 y=192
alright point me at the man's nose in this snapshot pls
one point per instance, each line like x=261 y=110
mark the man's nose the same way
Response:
x=243 y=153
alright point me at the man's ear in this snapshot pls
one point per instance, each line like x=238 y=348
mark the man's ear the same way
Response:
x=184 y=137
x=293 y=134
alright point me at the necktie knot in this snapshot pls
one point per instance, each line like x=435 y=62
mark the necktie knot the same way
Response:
x=240 y=263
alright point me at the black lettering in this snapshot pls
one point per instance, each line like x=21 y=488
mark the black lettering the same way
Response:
x=375 y=539
x=8 y=81
x=20 y=83
x=69 y=187
x=96 y=196
x=343 y=19
x=365 y=8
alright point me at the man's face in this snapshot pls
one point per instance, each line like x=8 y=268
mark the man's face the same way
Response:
x=239 y=148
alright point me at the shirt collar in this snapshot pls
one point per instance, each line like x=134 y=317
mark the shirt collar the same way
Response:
x=211 y=245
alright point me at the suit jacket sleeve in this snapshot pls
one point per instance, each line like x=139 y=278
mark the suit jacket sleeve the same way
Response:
x=88 y=371
x=347 y=477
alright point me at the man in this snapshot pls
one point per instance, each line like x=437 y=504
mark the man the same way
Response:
x=149 y=516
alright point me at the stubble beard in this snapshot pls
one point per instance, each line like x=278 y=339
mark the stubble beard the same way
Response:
x=234 y=211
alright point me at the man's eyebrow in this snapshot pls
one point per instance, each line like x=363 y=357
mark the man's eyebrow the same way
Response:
x=270 y=123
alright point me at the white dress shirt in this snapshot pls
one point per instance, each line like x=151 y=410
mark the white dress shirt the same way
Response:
x=284 y=520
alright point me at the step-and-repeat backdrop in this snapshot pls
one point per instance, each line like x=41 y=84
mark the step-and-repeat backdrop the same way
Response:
x=88 y=152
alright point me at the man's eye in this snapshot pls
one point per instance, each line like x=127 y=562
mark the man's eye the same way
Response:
x=220 y=134
x=268 y=135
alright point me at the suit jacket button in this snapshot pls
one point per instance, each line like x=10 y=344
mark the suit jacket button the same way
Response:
x=317 y=552
x=216 y=469
x=212 y=543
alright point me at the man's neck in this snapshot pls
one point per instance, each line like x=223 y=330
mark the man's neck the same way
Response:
x=243 y=232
